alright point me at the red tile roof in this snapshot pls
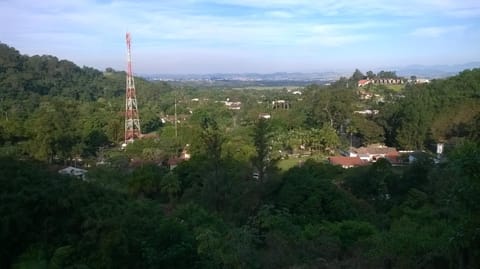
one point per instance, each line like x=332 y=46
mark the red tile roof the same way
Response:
x=363 y=82
x=376 y=150
x=346 y=161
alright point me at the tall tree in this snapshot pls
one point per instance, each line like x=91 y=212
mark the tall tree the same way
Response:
x=357 y=75
x=261 y=140
x=214 y=182
x=53 y=131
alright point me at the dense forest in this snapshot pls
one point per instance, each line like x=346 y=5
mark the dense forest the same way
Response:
x=134 y=211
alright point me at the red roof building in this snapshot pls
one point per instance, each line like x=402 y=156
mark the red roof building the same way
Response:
x=346 y=162
x=363 y=82
x=373 y=152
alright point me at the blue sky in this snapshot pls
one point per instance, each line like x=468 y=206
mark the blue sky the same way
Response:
x=205 y=36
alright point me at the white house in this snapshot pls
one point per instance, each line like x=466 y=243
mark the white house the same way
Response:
x=373 y=152
x=73 y=171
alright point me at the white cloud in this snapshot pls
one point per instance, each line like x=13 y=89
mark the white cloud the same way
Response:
x=280 y=14
x=436 y=31
x=366 y=7
x=244 y=27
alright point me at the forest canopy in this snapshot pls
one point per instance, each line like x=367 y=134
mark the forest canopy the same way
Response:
x=233 y=204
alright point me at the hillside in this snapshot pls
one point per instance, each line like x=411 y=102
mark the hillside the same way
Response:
x=229 y=205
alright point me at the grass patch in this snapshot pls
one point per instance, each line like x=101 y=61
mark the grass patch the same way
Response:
x=286 y=164
x=395 y=88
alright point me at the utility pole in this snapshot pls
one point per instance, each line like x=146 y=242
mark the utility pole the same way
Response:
x=175 y=106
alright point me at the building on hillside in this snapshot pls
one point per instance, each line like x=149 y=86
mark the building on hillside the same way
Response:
x=185 y=155
x=346 y=162
x=171 y=118
x=364 y=82
x=422 y=81
x=366 y=112
x=264 y=116
x=280 y=104
x=232 y=105
x=372 y=153
x=74 y=172
x=387 y=81
x=380 y=81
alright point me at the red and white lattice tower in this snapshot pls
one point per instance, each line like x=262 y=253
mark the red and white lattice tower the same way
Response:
x=132 y=119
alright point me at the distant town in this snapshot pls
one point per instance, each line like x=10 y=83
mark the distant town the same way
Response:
x=302 y=79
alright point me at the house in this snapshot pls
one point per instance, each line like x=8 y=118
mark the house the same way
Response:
x=388 y=81
x=366 y=112
x=372 y=153
x=280 y=104
x=377 y=81
x=185 y=155
x=172 y=118
x=73 y=171
x=264 y=116
x=346 y=162
x=233 y=105
x=422 y=81
x=364 y=82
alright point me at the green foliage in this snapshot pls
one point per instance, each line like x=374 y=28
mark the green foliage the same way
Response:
x=309 y=193
x=327 y=106
x=368 y=130
x=76 y=223
x=132 y=212
x=357 y=75
x=371 y=183
x=441 y=110
x=416 y=241
x=387 y=74
x=261 y=141
x=53 y=131
x=170 y=185
x=148 y=181
x=350 y=232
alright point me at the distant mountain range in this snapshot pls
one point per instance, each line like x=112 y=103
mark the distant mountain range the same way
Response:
x=420 y=71
x=284 y=76
x=433 y=71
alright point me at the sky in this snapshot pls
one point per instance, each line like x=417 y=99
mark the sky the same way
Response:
x=238 y=36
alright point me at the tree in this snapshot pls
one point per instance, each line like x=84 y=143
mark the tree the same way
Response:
x=261 y=140
x=462 y=179
x=371 y=75
x=357 y=75
x=53 y=132
x=171 y=186
x=215 y=184
x=146 y=180
x=368 y=130
x=371 y=183
x=387 y=74
x=328 y=139
x=93 y=141
x=327 y=106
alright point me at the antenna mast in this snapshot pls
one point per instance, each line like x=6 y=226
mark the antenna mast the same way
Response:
x=132 y=119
